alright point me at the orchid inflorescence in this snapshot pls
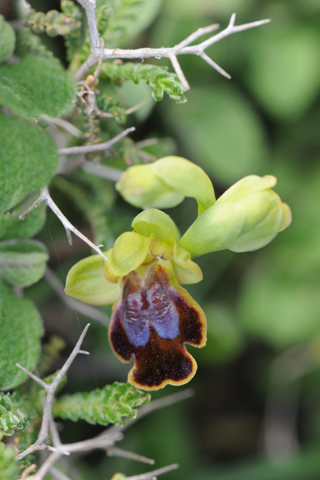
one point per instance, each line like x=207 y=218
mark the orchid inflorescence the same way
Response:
x=153 y=317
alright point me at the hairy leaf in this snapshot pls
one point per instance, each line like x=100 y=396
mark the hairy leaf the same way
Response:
x=11 y=416
x=128 y=18
x=157 y=77
x=24 y=150
x=8 y=465
x=45 y=89
x=7 y=39
x=110 y=404
x=22 y=262
x=21 y=330
x=12 y=227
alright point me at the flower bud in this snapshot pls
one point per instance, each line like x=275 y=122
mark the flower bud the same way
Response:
x=246 y=217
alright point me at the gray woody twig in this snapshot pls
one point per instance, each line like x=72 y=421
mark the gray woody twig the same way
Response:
x=182 y=48
x=46 y=198
x=51 y=389
x=98 y=147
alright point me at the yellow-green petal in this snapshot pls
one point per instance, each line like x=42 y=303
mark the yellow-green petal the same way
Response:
x=156 y=222
x=86 y=282
x=215 y=229
x=185 y=270
x=128 y=253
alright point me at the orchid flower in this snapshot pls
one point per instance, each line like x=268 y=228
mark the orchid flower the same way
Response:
x=153 y=316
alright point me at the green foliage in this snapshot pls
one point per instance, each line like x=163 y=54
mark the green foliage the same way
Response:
x=287 y=83
x=24 y=149
x=221 y=131
x=22 y=262
x=12 y=227
x=96 y=204
x=7 y=39
x=158 y=78
x=111 y=404
x=52 y=22
x=73 y=40
x=8 y=464
x=48 y=89
x=21 y=331
x=11 y=417
x=127 y=18
x=30 y=44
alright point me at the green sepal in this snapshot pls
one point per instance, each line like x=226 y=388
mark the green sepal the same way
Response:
x=142 y=188
x=153 y=221
x=22 y=262
x=215 y=229
x=165 y=183
x=249 y=184
x=86 y=282
x=259 y=236
x=246 y=217
x=128 y=253
x=187 y=179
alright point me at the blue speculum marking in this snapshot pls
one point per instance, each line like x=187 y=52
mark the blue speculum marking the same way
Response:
x=135 y=321
x=163 y=313
x=146 y=306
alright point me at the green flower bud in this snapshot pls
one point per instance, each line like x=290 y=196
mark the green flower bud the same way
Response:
x=246 y=217
x=165 y=183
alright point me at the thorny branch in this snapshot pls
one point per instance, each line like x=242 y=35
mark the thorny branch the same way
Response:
x=46 y=198
x=98 y=147
x=182 y=48
x=51 y=388
x=90 y=8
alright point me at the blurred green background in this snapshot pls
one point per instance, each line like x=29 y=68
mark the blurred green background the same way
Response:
x=255 y=414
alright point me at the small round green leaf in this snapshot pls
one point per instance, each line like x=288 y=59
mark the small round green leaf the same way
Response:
x=21 y=331
x=22 y=263
x=29 y=159
x=7 y=39
x=36 y=86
